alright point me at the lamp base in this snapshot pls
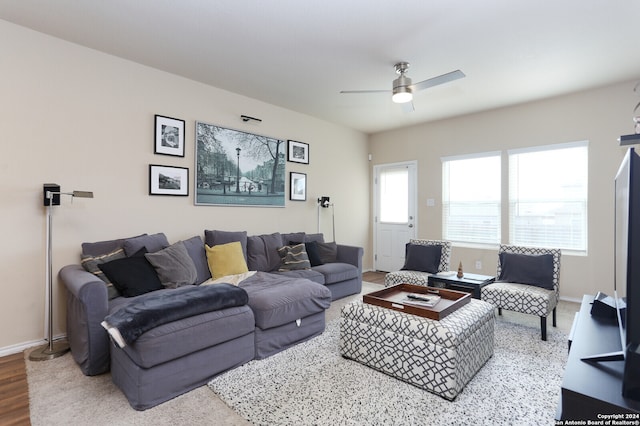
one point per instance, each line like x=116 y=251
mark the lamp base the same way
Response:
x=43 y=353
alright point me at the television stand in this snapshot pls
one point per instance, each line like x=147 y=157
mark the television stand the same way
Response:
x=590 y=390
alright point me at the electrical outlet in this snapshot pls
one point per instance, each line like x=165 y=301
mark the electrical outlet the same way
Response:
x=478 y=264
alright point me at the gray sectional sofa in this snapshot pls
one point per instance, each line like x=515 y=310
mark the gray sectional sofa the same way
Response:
x=284 y=306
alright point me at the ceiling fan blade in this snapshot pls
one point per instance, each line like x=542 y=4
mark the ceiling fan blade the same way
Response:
x=365 y=91
x=407 y=107
x=441 y=79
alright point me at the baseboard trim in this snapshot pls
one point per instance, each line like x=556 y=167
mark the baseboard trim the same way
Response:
x=21 y=347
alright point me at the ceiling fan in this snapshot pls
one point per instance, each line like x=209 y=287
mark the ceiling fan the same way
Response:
x=402 y=89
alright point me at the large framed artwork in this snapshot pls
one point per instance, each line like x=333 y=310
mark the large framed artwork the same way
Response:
x=168 y=180
x=298 y=186
x=169 y=136
x=235 y=168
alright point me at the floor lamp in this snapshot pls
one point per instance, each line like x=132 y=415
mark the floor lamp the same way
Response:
x=53 y=349
x=324 y=203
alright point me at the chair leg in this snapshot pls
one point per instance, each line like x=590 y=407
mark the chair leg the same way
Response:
x=499 y=311
x=543 y=327
x=554 y=317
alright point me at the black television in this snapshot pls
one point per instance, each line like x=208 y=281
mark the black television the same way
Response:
x=627 y=273
x=627 y=267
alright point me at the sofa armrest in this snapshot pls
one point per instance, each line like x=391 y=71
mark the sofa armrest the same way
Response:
x=87 y=306
x=351 y=255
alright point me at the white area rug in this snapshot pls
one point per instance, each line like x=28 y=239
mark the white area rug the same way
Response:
x=311 y=384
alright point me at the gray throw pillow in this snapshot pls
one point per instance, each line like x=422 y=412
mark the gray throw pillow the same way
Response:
x=195 y=248
x=527 y=269
x=152 y=243
x=328 y=252
x=293 y=258
x=174 y=266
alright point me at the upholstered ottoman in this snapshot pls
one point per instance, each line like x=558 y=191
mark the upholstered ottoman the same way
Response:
x=438 y=356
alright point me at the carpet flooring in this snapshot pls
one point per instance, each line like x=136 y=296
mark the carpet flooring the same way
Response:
x=311 y=384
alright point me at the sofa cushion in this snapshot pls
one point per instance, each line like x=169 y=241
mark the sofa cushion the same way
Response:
x=294 y=236
x=336 y=272
x=132 y=276
x=293 y=258
x=422 y=258
x=174 y=266
x=536 y=270
x=215 y=237
x=328 y=252
x=226 y=259
x=309 y=274
x=262 y=252
x=91 y=262
x=195 y=333
x=276 y=300
x=195 y=248
x=99 y=248
x=318 y=238
x=152 y=243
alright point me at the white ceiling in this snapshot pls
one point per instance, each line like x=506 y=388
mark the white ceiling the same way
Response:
x=300 y=54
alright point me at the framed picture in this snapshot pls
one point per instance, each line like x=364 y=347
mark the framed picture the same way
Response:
x=298 y=152
x=169 y=136
x=167 y=180
x=298 y=186
x=236 y=168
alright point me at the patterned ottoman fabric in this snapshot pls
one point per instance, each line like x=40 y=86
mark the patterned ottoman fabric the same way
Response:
x=438 y=356
x=417 y=277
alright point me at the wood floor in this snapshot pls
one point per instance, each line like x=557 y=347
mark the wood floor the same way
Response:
x=14 y=391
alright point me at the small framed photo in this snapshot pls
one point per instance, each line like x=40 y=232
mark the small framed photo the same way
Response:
x=298 y=186
x=298 y=152
x=169 y=136
x=167 y=180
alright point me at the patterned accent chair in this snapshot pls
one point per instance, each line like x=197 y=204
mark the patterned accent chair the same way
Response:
x=527 y=298
x=417 y=277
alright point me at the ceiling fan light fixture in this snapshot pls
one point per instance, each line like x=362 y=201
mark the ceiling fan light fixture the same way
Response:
x=402 y=92
x=402 y=96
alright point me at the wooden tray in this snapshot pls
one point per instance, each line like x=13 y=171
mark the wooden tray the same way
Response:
x=391 y=298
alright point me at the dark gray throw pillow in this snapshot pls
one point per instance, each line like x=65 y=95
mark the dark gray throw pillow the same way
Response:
x=328 y=252
x=132 y=276
x=527 y=269
x=422 y=258
x=174 y=266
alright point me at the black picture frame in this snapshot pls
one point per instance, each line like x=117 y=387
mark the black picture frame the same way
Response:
x=237 y=168
x=168 y=180
x=297 y=186
x=168 y=136
x=297 y=152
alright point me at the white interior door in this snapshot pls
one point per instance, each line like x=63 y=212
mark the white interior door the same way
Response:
x=395 y=213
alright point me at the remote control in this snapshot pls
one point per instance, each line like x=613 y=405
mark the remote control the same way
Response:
x=419 y=297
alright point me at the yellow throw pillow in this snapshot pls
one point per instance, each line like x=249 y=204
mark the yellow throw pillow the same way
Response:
x=226 y=259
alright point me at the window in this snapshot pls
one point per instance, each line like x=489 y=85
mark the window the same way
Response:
x=471 y=198
x=394 y=195
x=548 y=196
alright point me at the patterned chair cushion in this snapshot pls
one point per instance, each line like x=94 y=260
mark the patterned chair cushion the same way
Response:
x=528 y=299
x=417 y=277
